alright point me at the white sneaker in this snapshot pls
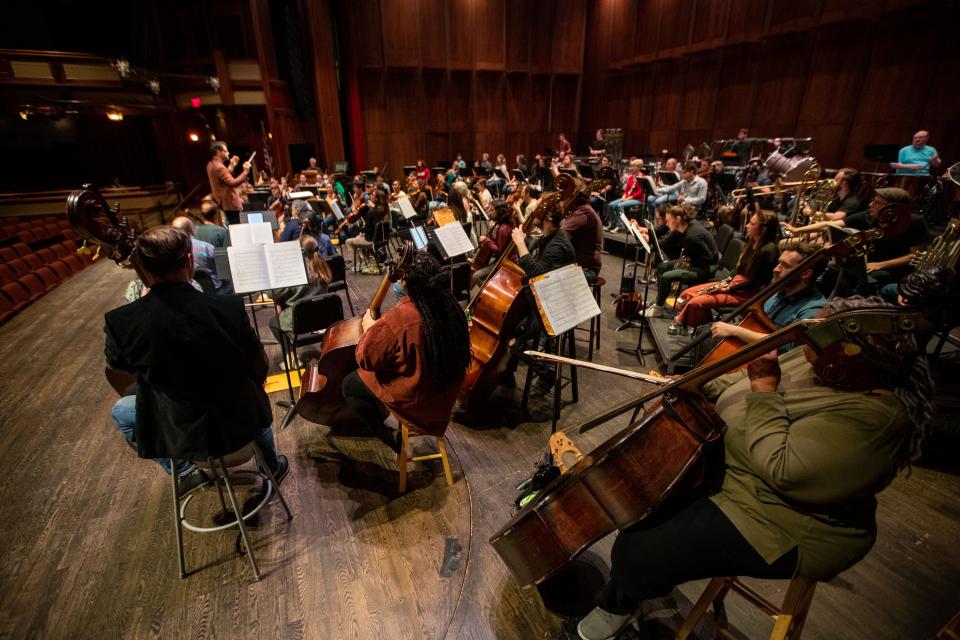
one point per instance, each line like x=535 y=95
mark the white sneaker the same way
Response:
x=602 y=625
x=655 y=311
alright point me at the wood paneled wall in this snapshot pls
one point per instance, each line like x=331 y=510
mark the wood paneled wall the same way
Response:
x=441 y=77
x=845 y=72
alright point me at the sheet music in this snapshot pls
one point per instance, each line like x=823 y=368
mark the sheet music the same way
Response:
x=406 y=208
x=284 y=262
x=656 y=241
x=261 y=232
x=242 y=235
x=636 y=232
x=564 y=299
x=336 y=209
x=454 y=240
x=248 y=268
x=296 y=195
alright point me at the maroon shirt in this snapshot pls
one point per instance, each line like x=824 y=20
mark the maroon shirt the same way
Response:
x=585 y=230
x=391 y=355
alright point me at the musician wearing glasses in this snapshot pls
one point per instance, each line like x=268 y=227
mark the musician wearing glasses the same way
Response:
x=845 y=201
x=918 y=158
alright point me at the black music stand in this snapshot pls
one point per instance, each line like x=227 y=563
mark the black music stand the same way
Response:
x=629 y=323
x=644 y=323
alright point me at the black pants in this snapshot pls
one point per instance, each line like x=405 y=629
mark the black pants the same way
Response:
x=687 y=542
x=365 y=404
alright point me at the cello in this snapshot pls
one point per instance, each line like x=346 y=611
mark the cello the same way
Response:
x=631 y=474
x=321 y=400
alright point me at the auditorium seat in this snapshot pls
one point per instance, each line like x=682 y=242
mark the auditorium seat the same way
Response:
x=61 y=268
x=6 y=307
x=60 y=251
x=70 y=246
x=24 y=226
x=27 y=237
x=48 y=277
x=53 y=229
x=75 y=263
x=6 y=274
x=33 y=285
x=21 y=248
x=19 y=267
x=46 y=255
x=33 y=260
x=7 y=254
x=40 y=232
x=17 y=294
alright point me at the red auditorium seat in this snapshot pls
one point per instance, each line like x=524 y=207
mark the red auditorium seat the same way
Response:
x=71 y=234
x=33 y=285
x=22 y=248
x=6 y=307
x=19 y=267
x=7 y=274
x=46 y=255
x=33 y=260
x=17 y=294
x=71 y=246
x=62 y=269
x=64 y=223
x=24 y=226
x=60 y=251
x=7 y=254
x=75 y=263
x=39 y=232
x=53 y=229
x=27 y=236
x=48 y=277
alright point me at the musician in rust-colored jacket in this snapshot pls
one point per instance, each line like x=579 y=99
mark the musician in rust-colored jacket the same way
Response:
x=223 y=185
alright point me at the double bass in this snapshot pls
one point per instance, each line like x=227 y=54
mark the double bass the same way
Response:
x=321 y=400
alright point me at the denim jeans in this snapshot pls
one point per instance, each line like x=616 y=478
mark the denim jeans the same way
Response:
x=615 y=208
x=655 y=201
x=125 y=413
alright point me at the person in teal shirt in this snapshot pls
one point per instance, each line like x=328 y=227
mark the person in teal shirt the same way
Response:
x=918 y=157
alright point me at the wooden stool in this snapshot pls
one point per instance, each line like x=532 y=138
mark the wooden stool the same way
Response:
x=404 y=456
x=788 y=618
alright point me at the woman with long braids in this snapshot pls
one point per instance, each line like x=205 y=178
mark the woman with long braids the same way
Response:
x=754 y=271
x=803 y=462
x=412 y=359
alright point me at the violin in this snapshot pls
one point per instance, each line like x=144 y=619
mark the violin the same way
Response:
x=353 y=216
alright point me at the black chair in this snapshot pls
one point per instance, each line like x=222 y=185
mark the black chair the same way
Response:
x=724 y=235
x=460 y=276
x=311 y=317
x=729 y=258
x=205 y=280
x=339 y=282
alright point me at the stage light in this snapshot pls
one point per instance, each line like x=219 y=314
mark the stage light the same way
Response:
x=270 y=136
x=114 y=115
x=24 y=115
x=194 y=137
x=195 y=103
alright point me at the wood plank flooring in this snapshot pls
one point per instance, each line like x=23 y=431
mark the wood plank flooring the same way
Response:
x=90 y=553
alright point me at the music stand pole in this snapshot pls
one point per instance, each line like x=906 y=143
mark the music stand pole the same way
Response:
x=291 y=405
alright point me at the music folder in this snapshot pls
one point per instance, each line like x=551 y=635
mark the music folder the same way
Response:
x=563 y=298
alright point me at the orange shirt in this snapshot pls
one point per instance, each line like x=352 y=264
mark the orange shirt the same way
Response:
x=391 y=355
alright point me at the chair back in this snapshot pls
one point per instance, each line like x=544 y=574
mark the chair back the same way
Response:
x=732 y=254
x=724 y=235
x=338 y=267
x=460 y=276
x=316 y=313
x=204 y=279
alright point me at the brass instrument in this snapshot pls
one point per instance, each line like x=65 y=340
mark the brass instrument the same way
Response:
x=809 y=182
x=943 y=252
x=771 y=189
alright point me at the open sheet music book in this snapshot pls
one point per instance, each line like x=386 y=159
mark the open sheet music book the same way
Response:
x=258 y=267
x=454 y=240
x=406 y=208
x=563 y=298
x=636 y=232
x=254 y=233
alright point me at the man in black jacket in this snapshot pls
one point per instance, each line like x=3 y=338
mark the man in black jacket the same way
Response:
x=199 y=364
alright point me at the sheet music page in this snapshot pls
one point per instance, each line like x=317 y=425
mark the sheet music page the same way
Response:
x=261 y=232
x=656 y=242
x=564 y=299
x=248 y=268
x=336 y=209
x=454 y=240
x=285 y=264
x=406 y=208
x=636 y=233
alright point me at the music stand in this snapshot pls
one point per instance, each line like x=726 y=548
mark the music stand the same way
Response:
x=644 y=323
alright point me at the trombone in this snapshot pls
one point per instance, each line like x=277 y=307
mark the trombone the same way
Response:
x=773 y=189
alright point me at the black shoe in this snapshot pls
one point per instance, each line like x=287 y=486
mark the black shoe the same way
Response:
x=507 y=379
x=541 y=387
x=191 y=481
x=283 y=466
x=390 y=437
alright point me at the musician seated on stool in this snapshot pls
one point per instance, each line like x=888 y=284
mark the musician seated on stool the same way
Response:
x=375 y=215
x=585 y=230
x=845 y=201
x=319 y=276
x=413 y=359
x=696 y=246
x=800 y=300
x=691 y=190
x=754 y=270
x=802 y=464
x=888 y=259
x=289 y=222
x=531 y=198
x=632 y=193
x=504 y=221
x=202 y=252
x=200 y=365
x=550 y=251
x=313 y=226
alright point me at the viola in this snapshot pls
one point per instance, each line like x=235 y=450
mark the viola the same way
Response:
x=321 y=400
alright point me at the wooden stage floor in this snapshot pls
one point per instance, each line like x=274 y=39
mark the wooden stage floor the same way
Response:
x=89 y=548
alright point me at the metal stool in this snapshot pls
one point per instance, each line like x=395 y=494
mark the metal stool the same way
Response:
x=594 y=330
x=234 y=459
x=788 y=618
x=404 y=456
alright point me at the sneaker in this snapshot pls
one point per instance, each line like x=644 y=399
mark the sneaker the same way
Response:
x=390 y=437
x=620 y=229
x=677 y=329
x=655 y=311
x=608 y=227
x=541 y=387
x=283 y=467
x=602 y=625
x=191 y=481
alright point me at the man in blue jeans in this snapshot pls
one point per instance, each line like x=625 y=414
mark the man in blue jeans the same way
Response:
x=200 y=367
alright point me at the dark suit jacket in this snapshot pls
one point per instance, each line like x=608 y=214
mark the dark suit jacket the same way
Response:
x=200 y=371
